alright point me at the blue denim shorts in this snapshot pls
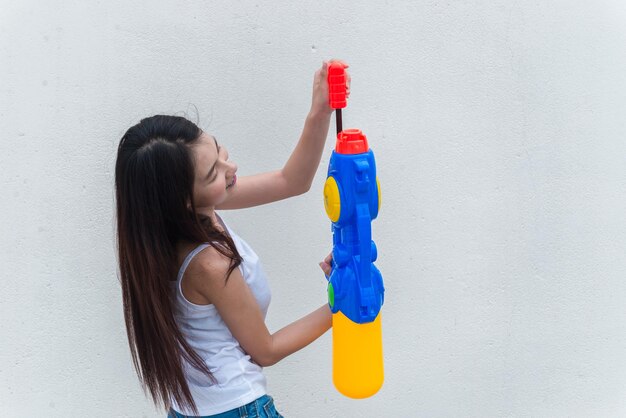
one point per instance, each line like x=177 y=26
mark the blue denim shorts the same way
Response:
x=262 y=407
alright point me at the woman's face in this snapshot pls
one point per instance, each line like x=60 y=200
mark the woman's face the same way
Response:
x=215 y=175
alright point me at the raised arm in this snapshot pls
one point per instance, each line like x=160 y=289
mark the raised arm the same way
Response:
x=297 y=174
x=293 y=179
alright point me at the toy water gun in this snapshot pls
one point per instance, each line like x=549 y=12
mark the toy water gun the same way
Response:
x=355 y=285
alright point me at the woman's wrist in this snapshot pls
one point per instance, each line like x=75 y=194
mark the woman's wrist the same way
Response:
x=319 y=115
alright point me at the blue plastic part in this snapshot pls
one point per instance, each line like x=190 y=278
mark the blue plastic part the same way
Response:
x=357 y=283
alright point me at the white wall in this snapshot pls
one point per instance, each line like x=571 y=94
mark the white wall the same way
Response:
x=499 y=130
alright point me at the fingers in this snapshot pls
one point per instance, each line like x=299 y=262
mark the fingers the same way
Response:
x=326 y=265
x=326 y=268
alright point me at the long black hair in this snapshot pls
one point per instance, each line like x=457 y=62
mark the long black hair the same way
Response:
x=154 y=177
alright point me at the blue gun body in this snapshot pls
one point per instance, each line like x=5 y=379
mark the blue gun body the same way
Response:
x=355 y=284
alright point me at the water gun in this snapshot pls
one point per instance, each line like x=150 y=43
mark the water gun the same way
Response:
x=355 y=285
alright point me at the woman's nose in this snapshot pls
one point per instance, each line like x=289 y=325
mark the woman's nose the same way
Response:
x=232 y=167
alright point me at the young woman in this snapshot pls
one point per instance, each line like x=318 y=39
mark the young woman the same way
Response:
x=194 y=293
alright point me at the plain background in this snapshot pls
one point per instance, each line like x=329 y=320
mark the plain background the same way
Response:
x=499 y=132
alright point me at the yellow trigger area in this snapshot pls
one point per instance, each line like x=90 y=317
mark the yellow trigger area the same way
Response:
x=332 y=199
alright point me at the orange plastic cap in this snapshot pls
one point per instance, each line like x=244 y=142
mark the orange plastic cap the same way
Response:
x=351 y=141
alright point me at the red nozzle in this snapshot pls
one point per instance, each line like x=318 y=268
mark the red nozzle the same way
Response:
x=337 y=85
x=351 y=141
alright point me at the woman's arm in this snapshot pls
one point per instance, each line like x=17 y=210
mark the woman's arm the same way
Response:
x=305 y=158
x=302 y=165
x=297 y=174
x=204 y=283
x=293 y=179
x=299 y=334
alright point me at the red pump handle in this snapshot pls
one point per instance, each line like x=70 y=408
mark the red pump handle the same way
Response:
x=337 y=85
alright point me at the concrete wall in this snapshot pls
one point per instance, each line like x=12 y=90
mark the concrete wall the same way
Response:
x=499 y=130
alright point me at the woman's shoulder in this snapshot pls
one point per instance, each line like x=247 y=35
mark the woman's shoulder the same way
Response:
x=207 y=258
x=205 y=274
x=209 y=261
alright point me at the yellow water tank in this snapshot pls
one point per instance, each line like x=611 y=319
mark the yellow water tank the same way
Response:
x=357 y=356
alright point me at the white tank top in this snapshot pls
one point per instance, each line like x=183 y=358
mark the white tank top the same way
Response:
x=239 y=379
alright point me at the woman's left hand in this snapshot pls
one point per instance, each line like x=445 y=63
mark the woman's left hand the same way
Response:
x=320 y=102
x=327 y=264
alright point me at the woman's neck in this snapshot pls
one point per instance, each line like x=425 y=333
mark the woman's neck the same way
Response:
x=210 y=212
